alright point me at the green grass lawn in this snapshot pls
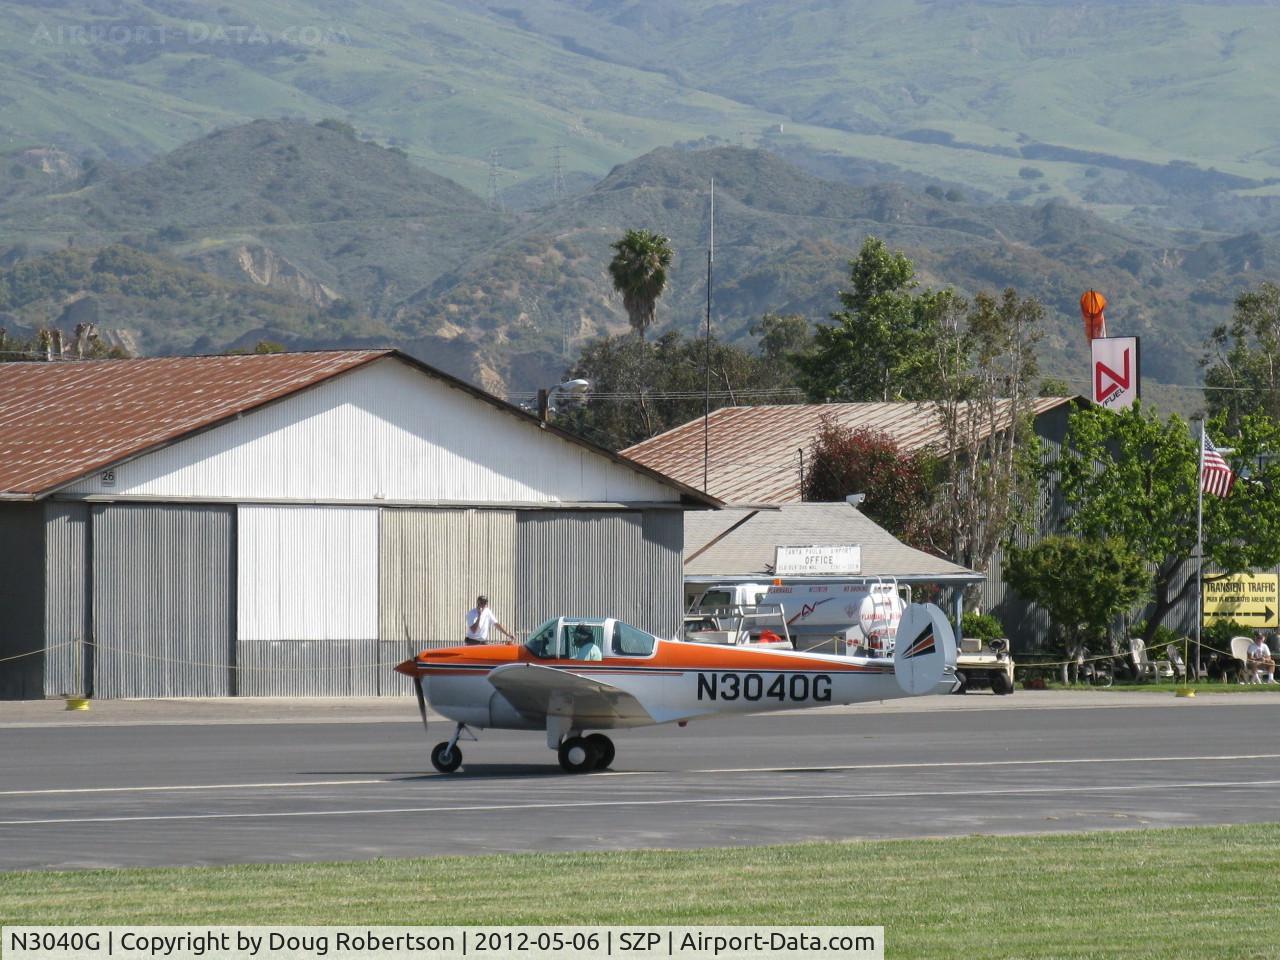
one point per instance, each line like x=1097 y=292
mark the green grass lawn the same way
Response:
x=1196 y=892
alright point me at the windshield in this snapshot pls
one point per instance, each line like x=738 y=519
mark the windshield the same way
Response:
x=715 y=600
x=543 y=641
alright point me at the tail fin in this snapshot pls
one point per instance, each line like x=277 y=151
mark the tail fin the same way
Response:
x=925 y=649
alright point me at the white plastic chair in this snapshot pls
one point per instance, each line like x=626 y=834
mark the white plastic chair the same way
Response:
x=1146 y=668
x=1240 y=651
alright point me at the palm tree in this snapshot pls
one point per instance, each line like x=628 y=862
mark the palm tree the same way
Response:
x=639 y=271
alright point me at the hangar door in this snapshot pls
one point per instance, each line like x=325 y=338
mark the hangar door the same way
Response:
x=601 y=564
x=432 y=565
x=307 y=601
x=163 y=600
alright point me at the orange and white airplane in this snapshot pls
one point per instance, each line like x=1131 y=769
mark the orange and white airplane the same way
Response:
x=578 y=674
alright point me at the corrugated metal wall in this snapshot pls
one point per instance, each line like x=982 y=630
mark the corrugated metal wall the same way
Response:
x=307 y=600
x=21 y=600
x=1026 y=625
x=664 y=546
x=163 y=600
x=599 y=565
x=67 y=669
x=433 y=564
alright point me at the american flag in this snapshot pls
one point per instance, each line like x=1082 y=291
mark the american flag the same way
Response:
x=1215 y=476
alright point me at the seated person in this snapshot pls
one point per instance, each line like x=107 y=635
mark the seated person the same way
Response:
x=584 y=644
x=1260 y=661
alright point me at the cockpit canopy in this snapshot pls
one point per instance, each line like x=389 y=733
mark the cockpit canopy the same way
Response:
x=589 y=638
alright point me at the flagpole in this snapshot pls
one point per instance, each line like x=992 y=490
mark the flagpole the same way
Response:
x=1199 y=548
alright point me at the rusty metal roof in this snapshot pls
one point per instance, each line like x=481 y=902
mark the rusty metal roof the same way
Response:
x=754 y=454
x=62 y=420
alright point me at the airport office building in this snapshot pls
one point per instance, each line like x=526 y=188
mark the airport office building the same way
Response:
x=296 y=524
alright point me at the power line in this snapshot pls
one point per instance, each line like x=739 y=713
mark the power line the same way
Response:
x=676 y=394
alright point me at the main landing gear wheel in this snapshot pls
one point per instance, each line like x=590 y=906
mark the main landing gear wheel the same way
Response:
x=578 y=755
x=604 y=750
x=444 y=759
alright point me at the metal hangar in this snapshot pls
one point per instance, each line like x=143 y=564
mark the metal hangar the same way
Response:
x=295 y=524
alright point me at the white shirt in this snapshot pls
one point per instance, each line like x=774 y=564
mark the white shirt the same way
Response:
x=1259 y=650
x=588 y=651
x=481 y=630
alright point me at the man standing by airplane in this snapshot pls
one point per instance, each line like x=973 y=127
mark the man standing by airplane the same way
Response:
x=479 y=619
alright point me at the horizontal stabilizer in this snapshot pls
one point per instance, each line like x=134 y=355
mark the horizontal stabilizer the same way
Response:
x=537 y=692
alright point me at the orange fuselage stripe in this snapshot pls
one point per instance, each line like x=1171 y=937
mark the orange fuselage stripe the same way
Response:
x=671 y=655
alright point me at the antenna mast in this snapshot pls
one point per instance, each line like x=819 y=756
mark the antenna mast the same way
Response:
x=706 y=397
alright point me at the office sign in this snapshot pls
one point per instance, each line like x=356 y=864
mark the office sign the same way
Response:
x=824 y=560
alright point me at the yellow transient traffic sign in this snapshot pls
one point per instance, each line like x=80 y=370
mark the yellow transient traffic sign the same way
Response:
x=1250 y=598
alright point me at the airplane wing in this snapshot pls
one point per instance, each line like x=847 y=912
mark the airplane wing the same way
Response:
x=538 y=692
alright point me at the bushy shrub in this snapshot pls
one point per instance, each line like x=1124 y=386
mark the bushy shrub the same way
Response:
x=981 y=626
x=1218 y=634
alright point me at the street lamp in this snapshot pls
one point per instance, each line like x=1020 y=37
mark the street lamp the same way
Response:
x=570 y=390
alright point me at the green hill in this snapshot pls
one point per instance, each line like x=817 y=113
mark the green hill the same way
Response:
x=1166 y=112
x=276 y=199
x=149 y=304
x=309 y=235
x=783 y=238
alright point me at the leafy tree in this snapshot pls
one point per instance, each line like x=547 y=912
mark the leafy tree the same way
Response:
x=879 y=347
x=784 y=339
x=261 y=347
x=639 y=272
x=1132 y=476
x=898 y=484
x=1243 y=359
x=987 y=370
x=640 y=388
x=1055 y=387
x=782 y=335
x=1080 y=583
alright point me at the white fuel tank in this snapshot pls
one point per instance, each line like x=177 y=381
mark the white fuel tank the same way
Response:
x=867 y=614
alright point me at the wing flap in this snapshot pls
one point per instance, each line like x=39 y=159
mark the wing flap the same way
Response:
x=537 y=692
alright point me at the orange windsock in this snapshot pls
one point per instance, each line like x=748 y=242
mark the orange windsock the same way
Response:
x=1092 y=304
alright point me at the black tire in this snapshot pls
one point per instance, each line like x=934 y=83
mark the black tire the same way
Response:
x=604 y=750
x=577 y=755
x=963 y=685
x=1001 y=686
x=444 y=759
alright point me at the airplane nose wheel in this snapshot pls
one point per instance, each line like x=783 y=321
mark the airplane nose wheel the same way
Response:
x=578 y=755
x=446 y=757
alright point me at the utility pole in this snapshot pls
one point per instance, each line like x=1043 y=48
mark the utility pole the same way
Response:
x=557 y=176
x=495 y=198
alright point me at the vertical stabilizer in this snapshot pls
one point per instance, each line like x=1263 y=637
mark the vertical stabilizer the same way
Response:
x=925 y=649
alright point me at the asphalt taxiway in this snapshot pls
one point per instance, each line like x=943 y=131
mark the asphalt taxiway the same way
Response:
x=236 y=783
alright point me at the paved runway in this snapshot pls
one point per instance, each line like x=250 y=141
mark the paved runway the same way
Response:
x=108 y=795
